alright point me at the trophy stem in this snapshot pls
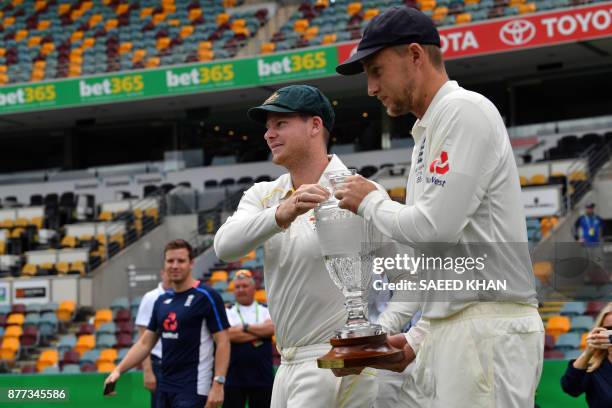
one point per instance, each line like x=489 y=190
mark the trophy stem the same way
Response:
x=355 y=307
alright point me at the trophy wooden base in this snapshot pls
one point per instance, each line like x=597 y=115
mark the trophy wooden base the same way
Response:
x=360 y=352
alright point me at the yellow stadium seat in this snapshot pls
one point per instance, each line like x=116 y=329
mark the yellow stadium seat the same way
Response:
x=238 y=23
x=169 y=9
x=8 y=21
x=48 y=358
x=546 y=226
x=260 y=296
x=34 y=41
x=29 y=270
x=4 y=79
x=516 y=3
x=301 y=25
x=63 y=8
x=229 y=3
x=62 y=268
x=9 y=349
x=65 y=310
x=543 y=271
x=354 y=8
x=103 y=316
x=125 y=47
x=85 y=343
x=311 y=32
x=472 y=1
x=37 y=221
x=523 y=180
x=3 y=69
x=463 y=18
x=17 y=232
x=152 y=212
x=174 y=22
x=110 y=24
x=194 y=13
x=87 y=5
x=578 y=175
x=69 y=242
x=107 y=356
x=231 y=286
x=7 y=223
x=267 y=47
x=22 y=222
x=158 y=18
x=222 y=18
x=146 y=12
x=440 y=13
x=89 y=42
x=426 y=5
x=186 y=31
x=152 y=62
x=21 y=34
x=205 y=55
x=119 y=239
x=218 y=276
x=106 y=367
x=527 y=8
x=139 y=55
x=39 y=5
x=44 y=25
x=122 y=8
x=3 y=53
x=14 y=331
x=322 y=4
x=79 y=267
x=163 y=43
x=583 y=340
x=205 y=45
x=371 y=13
x=106 y=216
x=95 y=20
x=557 y=325
x=538 y=179
x=15 y=318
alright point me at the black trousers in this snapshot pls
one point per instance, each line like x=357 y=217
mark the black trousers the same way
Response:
x=156 y=365
x=258 y=397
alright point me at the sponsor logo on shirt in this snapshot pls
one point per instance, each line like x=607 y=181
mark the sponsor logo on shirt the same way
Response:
x=440 y=165
x=435 y=181
x=170 y=323
x=188 y=301
x=167 y=301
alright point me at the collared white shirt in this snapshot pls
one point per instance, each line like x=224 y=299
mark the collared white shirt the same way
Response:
x=254 y=313
x=305 y=305
x=463 y=187
x=145 y=310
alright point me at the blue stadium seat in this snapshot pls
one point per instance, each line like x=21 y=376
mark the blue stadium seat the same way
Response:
x=568 y=341
x=581 y=323
x=573 y=309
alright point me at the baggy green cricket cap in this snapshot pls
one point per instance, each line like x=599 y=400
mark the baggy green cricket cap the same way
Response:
x=296 y=99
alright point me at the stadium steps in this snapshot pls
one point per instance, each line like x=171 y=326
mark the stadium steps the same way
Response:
x=283 y=14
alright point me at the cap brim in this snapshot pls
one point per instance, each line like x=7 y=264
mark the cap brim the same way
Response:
x=259 y=114
x=353 y=65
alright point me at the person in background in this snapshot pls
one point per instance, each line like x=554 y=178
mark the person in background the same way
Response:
x=151 y=365
x=591 y=372
x=589 y=227
x=250 y=375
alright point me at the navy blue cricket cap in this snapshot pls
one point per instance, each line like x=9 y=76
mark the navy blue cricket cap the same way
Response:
x=398 y=25
x=296 y=99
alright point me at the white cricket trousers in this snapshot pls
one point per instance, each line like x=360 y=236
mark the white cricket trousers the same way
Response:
x=299 y=383
x=489 y=355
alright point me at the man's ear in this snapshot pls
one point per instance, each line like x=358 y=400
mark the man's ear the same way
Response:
x=317 y=124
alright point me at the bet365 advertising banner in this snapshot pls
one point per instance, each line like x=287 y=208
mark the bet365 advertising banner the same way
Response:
x=499 y=35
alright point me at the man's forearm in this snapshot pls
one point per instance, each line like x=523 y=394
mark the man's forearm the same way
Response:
x=263 y=330
x=138 y=352
x=237 y=335
x=222 y=356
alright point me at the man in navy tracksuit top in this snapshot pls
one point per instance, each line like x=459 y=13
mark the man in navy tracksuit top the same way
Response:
x=191 y=320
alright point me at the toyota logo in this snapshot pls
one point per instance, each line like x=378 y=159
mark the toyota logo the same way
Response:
x=517 y=32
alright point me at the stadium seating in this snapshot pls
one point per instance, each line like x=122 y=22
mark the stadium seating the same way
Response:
x=57 y=40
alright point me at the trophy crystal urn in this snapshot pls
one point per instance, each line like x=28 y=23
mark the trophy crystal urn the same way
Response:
x=347 y=244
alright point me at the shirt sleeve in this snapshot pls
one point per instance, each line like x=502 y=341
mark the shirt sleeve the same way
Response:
x=214 y=311
x=145 y=310
x=265 y=314
x=232 y=317
x=249 y=227
x=416 y=335
x=463 y=141
x=574 y=382
x=153 y=321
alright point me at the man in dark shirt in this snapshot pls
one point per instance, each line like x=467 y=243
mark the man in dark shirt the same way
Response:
x=250 y=376
x=188 y=319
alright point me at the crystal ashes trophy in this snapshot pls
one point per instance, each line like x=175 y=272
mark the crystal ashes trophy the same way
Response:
x=347 y=244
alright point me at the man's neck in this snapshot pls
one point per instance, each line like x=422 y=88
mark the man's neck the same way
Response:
x=247 y=304
x=308 y=171
x=429 y=93
x=183 y=286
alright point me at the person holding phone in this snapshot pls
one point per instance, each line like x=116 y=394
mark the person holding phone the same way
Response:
x=591 y=372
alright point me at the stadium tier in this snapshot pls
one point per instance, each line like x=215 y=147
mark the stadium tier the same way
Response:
x=54 y=39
